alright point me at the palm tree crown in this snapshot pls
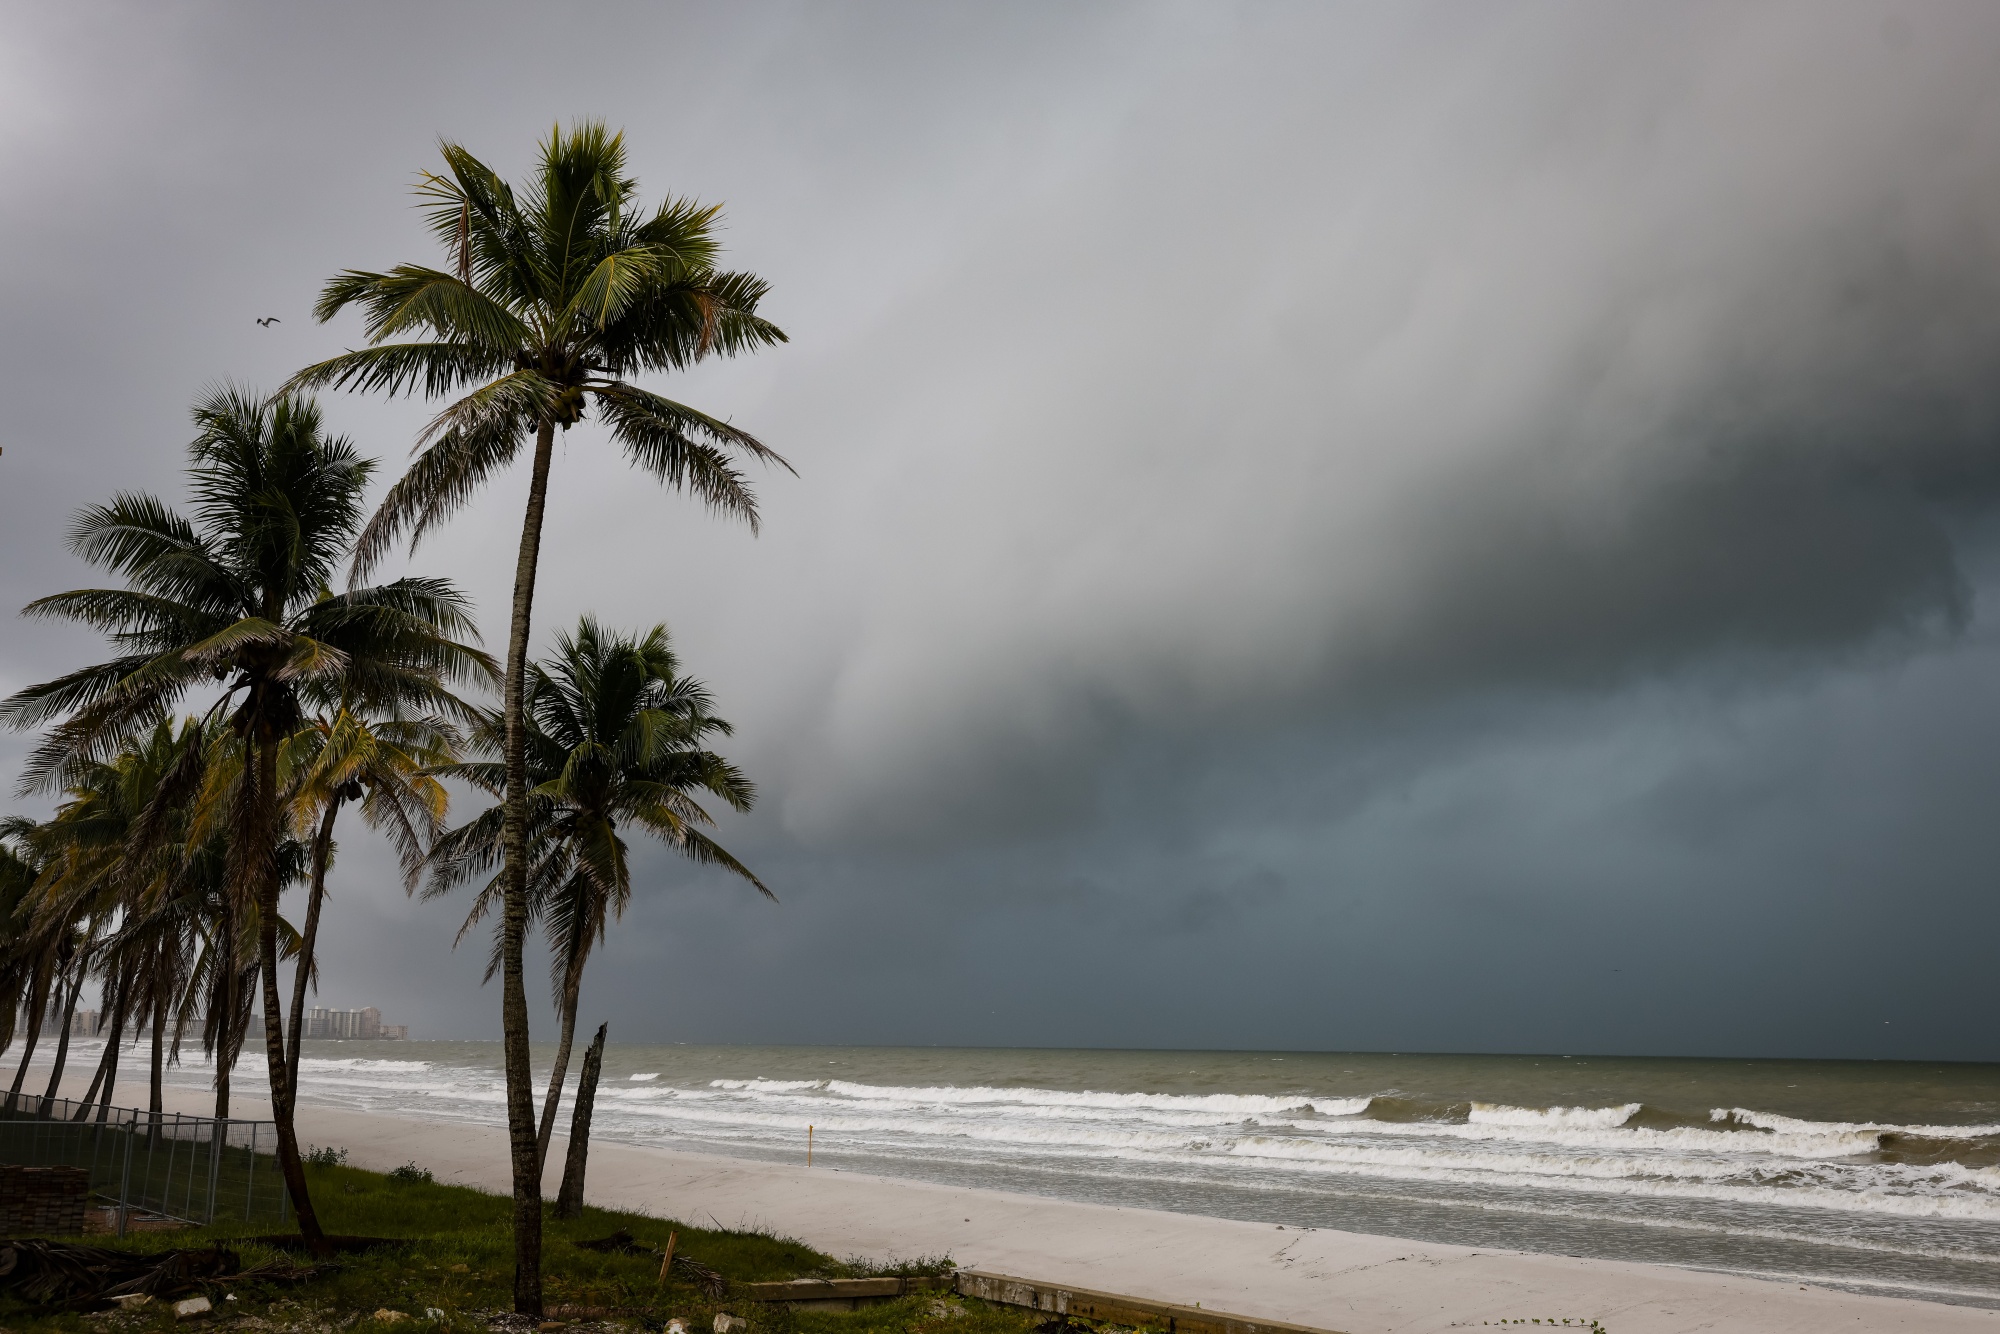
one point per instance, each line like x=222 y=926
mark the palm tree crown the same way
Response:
x=237 y=597
x=556 y=296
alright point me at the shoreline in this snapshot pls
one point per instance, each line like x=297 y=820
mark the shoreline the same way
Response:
x=1352 y=1282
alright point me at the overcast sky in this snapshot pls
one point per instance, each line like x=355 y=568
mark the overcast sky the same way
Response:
x=1398 y=526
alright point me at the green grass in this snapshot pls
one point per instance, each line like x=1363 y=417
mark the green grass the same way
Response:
x=460 y=1261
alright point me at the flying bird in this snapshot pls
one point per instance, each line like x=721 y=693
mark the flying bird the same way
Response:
x=269 y=320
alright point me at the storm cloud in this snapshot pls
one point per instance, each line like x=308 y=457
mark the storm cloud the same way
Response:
x=1317 y=526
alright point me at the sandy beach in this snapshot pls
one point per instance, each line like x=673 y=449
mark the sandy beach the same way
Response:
x=1333 y=1280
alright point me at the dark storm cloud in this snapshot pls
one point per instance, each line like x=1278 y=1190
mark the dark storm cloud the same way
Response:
x=1329 y=522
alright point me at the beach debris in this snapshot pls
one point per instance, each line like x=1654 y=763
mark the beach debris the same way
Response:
x=675 y=1326
x=433 y=1313
x=710 y=1281
x=730 y=1324
x=621 y=1242
x=191 y=1307
x=89 y=1278
x=387 y=1316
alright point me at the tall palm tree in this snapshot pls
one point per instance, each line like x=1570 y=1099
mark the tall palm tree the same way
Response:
x=235 y=600
x=616 y=740
x=383 y=763
x=552 y=298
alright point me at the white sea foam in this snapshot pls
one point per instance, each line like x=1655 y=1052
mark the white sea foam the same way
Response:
x=1791 y=1125
x=1227 y=1103
x=655 y=1074
x=1594 y=1118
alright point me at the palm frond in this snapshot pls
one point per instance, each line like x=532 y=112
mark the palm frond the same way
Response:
x=683 y=447
x=432 y=368
x=443 y=478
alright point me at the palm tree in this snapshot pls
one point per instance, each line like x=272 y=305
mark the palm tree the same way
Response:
x=30 y=959
x=553 y=298
x=615 y=741
x=235 y=599
x=99 y=871
x=383 y=763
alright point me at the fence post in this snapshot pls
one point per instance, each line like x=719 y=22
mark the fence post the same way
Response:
x=250 y=1186
x=215 y=1165
x=125 y=1182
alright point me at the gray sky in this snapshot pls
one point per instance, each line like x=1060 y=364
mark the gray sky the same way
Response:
x=1325 y=526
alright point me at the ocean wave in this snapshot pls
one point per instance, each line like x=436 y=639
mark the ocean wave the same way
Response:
x=1228 y=1103
x=642 y=1078
x=1791 y=1125
x=1593 y=1118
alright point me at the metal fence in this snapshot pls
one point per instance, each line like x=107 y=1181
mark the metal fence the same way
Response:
x=193 y=1168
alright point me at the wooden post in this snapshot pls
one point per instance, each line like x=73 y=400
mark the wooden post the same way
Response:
x=667 y=1260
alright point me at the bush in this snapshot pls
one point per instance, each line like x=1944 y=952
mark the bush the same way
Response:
x=325 y=1156
x=411 y=1174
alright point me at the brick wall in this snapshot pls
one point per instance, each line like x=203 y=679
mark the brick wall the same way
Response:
x=42 y=1201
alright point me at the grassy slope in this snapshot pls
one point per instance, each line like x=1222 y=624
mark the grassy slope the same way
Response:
x=460 y=1260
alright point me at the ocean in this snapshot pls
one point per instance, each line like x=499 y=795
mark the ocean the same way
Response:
x=1879 y=1177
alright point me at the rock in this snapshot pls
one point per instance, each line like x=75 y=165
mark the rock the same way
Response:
x=385 y=1316
x=192 y=1307
x=433 y=1313
x=947 y=1310
x=730 y=1324
x=675 y=1326
x=132 y=1299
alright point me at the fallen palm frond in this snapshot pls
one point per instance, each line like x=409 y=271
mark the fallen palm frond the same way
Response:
x=76 y=1278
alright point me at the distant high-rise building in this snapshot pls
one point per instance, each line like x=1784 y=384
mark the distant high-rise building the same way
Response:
x=366 y=1023
x=82 y=1023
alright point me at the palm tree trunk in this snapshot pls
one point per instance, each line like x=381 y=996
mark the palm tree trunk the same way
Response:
x=572 y=987
x=225 y=1024
x=156 y=1109
x=569 y=1200
x=263 y=790
x=111 y=1051
x=322 y=852
x=514 y=916
x=105 y=1063
x=62 y=1040
x=38 y=1004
